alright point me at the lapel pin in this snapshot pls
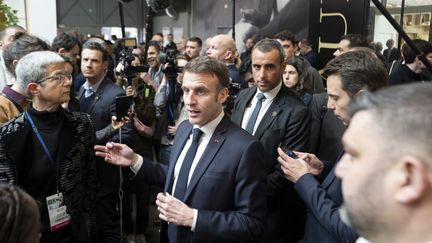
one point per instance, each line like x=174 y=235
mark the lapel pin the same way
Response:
x=97 y=97
x=216 y=141
x=274 y=113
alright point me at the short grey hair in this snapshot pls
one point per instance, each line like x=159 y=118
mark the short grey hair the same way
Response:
x=402 y=114
x=267 y=45
x=33 y=66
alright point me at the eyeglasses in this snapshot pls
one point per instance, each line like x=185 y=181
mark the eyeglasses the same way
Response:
x=59 y=78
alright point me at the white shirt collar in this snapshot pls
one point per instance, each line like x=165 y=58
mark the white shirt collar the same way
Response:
x=271 y=94
x=210 y=127
x=93 y=87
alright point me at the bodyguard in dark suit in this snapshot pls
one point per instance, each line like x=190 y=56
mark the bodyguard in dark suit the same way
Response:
x=97 y=98
x=348 y=75
x=281 y=120
x=214 y=186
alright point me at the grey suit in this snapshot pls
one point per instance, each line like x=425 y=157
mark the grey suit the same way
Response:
x=286 y=123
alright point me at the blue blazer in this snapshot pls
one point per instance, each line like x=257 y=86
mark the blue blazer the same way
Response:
x=323 y=201
x=227 y=187
x=101 y=108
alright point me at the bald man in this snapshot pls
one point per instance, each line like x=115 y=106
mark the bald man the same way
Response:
x=222 y=47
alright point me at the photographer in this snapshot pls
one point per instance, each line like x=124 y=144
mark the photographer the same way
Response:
x=169 y=104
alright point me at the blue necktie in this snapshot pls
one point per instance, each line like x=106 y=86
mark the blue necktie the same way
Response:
x=252 y=119
x=183 y=175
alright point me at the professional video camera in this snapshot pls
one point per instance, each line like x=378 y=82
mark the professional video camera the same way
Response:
x=126 y=58
x=234 y=89
x=170 y=62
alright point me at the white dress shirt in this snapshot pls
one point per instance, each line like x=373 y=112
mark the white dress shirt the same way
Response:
x=93 y=87
x=270 y=95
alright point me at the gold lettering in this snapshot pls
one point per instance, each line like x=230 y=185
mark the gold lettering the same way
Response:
x=330 y=45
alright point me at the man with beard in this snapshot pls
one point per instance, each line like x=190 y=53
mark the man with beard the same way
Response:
x=348 y=76
x=386 y=170
x=275 y=115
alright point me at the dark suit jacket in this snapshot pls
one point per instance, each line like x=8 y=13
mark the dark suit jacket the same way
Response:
x=323 y=201
x=286 y=123
x=101 y=108
x=391 y=54
x=326 y=129
x=227 y=187
x=235 y=75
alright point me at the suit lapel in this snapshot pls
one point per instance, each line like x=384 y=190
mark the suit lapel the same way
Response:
x=210 y=151
x=332 y=176
x=97 y=95
x=80 y=93
x=273 y=111
x=237 y=116
x=178 y=144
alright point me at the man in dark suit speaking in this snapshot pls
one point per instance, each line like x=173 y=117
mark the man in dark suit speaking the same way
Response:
x=214 y=186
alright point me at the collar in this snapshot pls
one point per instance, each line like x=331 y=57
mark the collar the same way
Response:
x=15 y=96
x=93 y=87
x=271 y=94
x=209 y=128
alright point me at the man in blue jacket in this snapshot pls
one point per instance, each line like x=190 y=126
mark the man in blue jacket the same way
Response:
x=348 y=75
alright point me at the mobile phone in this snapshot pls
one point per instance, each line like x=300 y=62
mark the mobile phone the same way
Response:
x=123 y=104
x=290 y=153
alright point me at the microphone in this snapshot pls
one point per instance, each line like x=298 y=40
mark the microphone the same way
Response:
x=158 y=5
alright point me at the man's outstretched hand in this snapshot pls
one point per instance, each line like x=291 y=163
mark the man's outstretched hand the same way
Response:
x=116 y=154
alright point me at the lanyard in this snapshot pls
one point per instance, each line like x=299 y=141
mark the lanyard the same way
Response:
x=44 y=146
x=39 y=137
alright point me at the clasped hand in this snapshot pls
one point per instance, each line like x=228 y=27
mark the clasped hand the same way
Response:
x=174 y=211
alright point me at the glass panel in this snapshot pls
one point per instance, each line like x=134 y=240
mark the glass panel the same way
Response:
x=416 y=20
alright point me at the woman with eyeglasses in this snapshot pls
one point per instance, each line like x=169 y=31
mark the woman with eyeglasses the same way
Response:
x=48 y=151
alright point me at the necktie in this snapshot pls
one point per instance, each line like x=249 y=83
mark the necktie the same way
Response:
x=252 y=119
x=88 y=92
x=183 y=176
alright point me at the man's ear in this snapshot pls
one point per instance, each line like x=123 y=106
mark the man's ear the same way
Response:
x=223 y=95
x=14 y=63
x=33 y=89
x=228 y=55
x=61 y=51
x=412 y=175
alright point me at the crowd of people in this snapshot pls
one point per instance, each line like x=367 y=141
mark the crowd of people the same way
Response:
x=253 y=145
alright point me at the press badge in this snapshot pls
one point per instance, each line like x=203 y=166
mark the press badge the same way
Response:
x=57 y=212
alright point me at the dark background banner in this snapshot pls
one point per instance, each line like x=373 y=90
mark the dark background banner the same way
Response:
x=322 y=21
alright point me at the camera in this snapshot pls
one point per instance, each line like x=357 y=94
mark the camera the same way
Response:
x=234 y=89
x=170 y=61
x=126 y=58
